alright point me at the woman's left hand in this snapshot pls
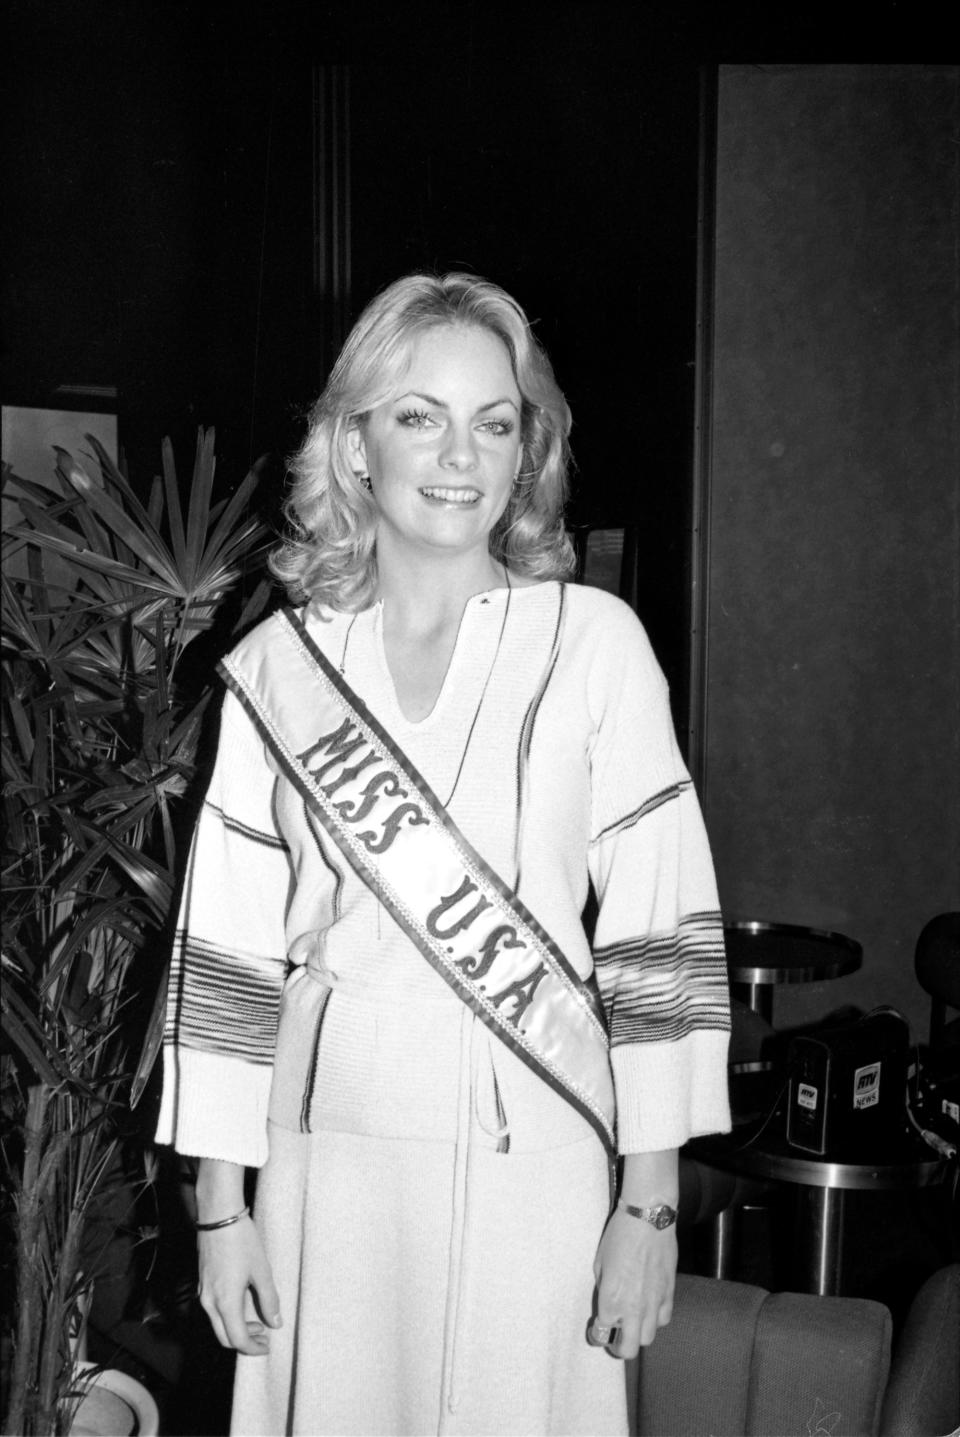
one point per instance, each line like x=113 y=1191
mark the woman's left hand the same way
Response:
x=635 y=1269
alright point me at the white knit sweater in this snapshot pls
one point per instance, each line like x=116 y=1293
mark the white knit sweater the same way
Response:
x=564 y=771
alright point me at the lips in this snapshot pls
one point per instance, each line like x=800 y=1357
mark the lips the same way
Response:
x=451 y=496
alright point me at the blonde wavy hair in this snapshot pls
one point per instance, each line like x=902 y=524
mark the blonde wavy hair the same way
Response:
x=328 y=555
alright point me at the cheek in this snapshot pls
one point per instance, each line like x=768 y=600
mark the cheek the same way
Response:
x=385 y=459
x=508 y=460
x=506 y=490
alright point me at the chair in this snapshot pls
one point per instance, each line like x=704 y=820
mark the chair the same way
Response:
x=738 y=1361
x=923 y=1394
x=937 y=967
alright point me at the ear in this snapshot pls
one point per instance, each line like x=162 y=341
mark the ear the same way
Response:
x=356 y=449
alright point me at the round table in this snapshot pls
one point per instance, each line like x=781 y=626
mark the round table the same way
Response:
x=822 y=1184
x=761 y=955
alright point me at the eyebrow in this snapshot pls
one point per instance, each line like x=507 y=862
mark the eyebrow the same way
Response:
x=436 y=403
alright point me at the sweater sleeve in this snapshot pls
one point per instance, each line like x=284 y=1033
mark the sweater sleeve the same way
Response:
x=229 y=960
x=658 y=948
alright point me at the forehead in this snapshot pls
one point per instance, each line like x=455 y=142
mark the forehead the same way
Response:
x=459 y=356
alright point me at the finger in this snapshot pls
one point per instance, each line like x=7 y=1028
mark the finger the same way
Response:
x=267 y=1299
x=649 y=1326
x=248 y=1336
x=626 y=1342
x=258 y=1340
x=232 y=1330
x=665 y=1313
x=608 y=1312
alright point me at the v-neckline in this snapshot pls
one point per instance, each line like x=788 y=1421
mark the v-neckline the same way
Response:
x=441 y=700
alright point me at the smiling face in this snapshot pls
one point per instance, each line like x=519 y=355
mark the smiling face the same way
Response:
x=443 y=452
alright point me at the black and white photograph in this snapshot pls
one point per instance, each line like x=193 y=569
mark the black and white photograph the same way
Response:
x=480 y=720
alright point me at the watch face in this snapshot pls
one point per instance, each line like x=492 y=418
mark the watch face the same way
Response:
x=663 y=1216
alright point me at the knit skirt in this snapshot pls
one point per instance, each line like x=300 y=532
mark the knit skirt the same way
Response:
x=432 y=1239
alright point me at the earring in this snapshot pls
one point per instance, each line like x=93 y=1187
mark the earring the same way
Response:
x=364 y=481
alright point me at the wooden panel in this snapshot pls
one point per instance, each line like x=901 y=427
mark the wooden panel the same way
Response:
x=833 y=681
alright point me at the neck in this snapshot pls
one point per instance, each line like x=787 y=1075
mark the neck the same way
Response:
x=429 y=590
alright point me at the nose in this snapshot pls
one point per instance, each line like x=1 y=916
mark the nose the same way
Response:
x=459 y=450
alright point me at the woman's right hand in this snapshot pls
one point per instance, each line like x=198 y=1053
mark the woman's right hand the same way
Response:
x=233 y=1262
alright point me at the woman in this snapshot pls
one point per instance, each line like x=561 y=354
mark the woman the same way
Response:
x=383 y=993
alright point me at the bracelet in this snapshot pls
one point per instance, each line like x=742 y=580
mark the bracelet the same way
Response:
x=224 y=1221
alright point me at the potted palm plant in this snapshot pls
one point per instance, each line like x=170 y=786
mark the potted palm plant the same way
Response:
x=108 y=641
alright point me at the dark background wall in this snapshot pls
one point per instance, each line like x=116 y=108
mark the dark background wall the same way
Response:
x=832 y=734
x=157 y=217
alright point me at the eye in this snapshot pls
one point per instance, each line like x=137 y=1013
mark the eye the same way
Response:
x=415 y=419
x=498 y=426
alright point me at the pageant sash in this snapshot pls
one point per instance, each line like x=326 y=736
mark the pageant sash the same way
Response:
x=399 y=839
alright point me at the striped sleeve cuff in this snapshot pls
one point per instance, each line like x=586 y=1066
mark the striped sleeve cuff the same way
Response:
x=665 y=986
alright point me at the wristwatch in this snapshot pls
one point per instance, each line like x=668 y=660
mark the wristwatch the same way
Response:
x=661 y=1215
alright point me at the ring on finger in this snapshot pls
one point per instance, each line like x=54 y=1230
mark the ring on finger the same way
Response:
x=600 y=1334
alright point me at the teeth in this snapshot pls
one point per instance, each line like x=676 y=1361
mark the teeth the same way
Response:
x=453 y=496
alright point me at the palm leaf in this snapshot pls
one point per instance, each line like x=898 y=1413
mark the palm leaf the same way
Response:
x=119 y=481
x=144 y=541
x=166 y=585
x=198 y=518
x=255 y=605
x=153 y=881
x=99 y=914
x=153 y=1039
x=28 y=1038
x=148 y=876
x=224 y=533
x=21 y=725
x=96 y=536
x=174 y=510
x=155 y=505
